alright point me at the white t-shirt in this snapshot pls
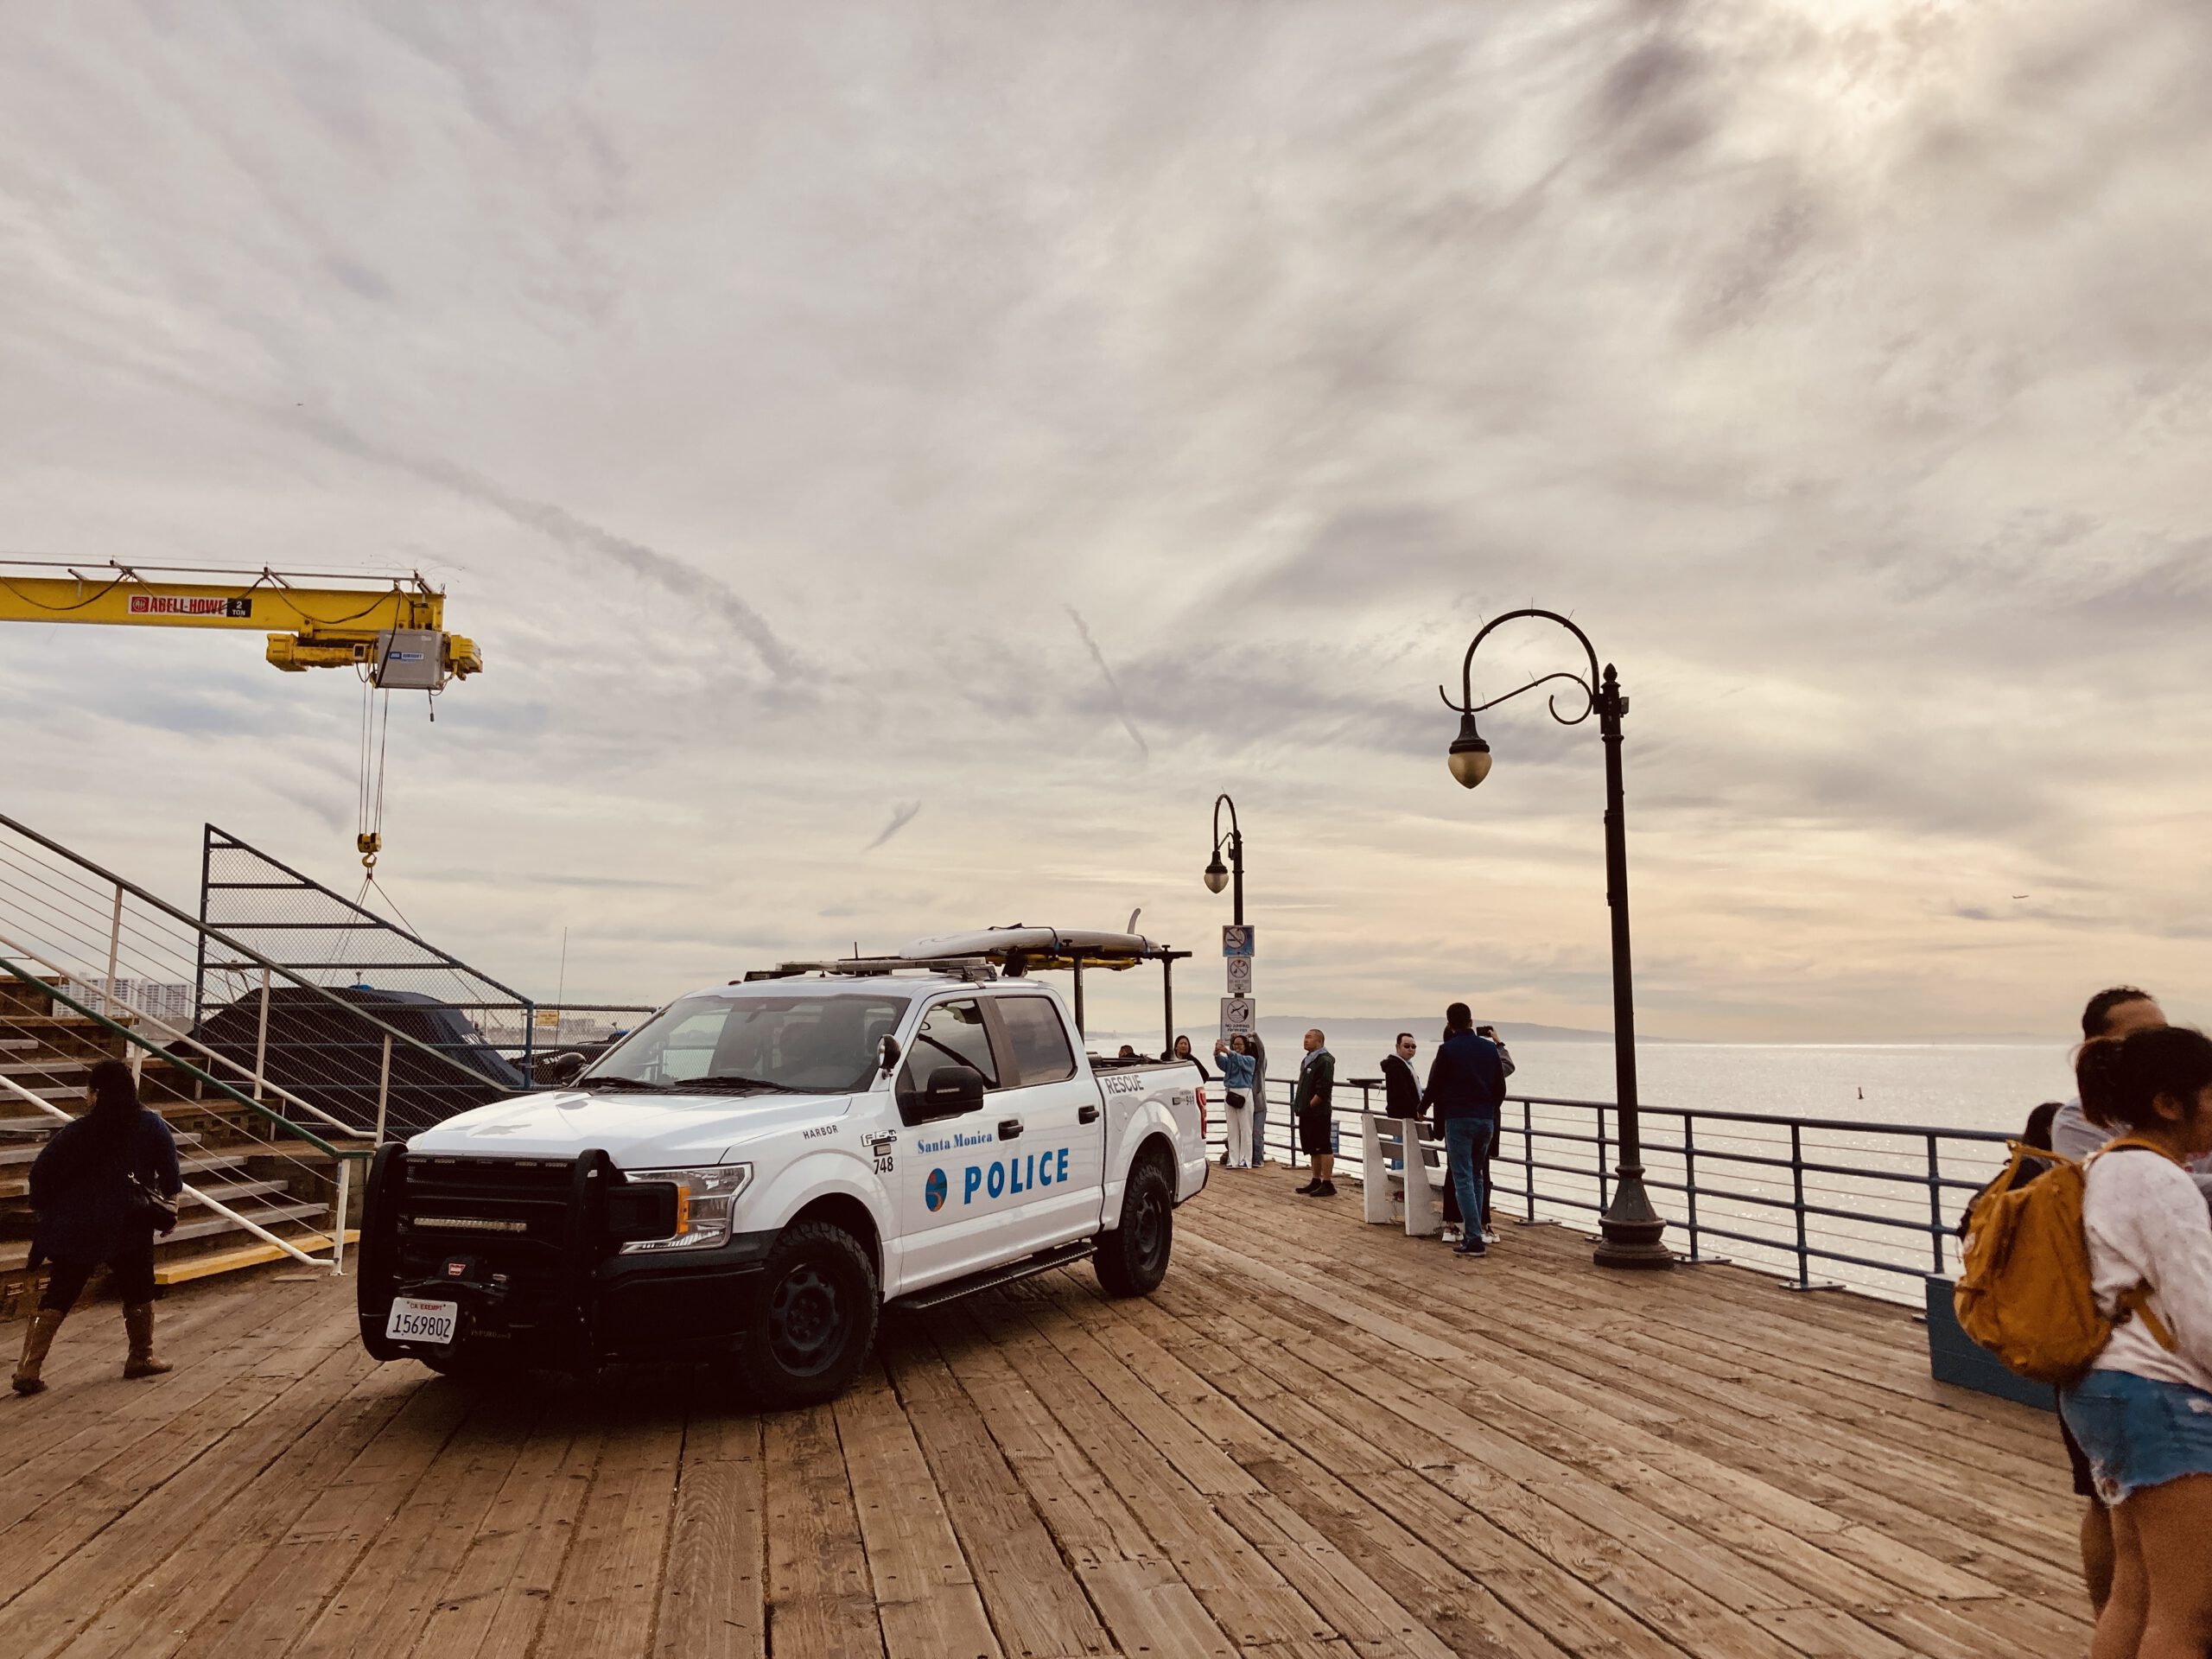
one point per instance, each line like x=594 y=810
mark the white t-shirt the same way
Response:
x=2145 y=1224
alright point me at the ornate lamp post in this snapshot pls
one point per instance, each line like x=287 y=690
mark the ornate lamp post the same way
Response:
x=1631 y=1227
x=1218 y=877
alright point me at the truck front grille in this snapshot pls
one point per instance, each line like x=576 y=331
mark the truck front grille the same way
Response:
x=510 y=1213
x=525 y=1198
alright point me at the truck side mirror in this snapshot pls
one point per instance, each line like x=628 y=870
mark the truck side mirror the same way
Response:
x=886 y=1055
x=951 y=1090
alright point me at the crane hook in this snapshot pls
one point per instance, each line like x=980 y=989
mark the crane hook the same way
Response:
x=370 y=844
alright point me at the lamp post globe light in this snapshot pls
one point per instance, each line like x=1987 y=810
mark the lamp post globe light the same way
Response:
x=1218 y=875
x=1470 y=755
x=1631 y=1228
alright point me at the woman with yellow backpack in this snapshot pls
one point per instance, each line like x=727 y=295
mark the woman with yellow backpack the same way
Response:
x=2143 y=1410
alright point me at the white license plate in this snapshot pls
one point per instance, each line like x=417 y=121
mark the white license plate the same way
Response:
x=413 y=1320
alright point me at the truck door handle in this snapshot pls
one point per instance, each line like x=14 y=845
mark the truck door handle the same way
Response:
x=1009 y=1128
x=1088 y=1114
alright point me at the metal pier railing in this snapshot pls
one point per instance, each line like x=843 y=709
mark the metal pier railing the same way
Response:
x=1821 y=1202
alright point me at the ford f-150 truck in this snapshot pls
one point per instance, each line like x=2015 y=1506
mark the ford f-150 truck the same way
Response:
x=759 y=1169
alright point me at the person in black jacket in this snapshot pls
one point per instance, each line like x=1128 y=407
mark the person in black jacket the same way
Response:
x=1466 y=1086
x=89 y=1185
x=1312 y=1100
x=1401 y=1089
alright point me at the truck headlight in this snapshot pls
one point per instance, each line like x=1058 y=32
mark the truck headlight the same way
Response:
x=704 y=1197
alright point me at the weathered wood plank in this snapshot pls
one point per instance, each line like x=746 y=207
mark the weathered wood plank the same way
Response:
x=1316 y=1439
x=384 y=1602
x=714 y=1598
x=1035 y=1601
x=493 y=1602
x=1923 y=1510
x=609 y=1588
x=266 y=1612
x=144 y=1579
x=925 y=1595
x=820 y=1602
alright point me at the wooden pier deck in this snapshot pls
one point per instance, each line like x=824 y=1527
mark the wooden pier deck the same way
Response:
x=1318 y=1439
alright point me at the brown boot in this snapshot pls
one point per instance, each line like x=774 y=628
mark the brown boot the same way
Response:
x=38 y=1337
x=138 y=1320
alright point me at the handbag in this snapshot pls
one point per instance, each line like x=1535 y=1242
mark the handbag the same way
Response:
x=157 y=1206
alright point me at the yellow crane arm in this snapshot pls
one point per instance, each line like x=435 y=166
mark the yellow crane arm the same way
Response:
x=309 y=624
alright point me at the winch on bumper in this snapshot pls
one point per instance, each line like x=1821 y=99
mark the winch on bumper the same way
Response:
x=522 y=1259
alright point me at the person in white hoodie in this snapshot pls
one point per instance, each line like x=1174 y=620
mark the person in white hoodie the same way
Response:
x=2143 y=1414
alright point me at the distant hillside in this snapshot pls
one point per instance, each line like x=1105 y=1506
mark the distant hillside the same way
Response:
x=1352 y=1037
x=1356 y=1033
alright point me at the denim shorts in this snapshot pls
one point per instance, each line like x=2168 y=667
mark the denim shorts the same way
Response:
x=2138 y=1433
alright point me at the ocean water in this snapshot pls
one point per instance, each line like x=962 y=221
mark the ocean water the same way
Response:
x=1953 y=1086
x=1941 y=1085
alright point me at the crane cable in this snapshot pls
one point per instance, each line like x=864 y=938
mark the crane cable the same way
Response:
x=376 y=732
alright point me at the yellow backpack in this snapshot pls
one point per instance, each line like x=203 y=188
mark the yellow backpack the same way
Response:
x=2024 y=1290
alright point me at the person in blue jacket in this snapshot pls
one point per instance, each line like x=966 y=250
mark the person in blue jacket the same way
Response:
x=1236 y=1073
x=1466 y=1086
x=90 y=1185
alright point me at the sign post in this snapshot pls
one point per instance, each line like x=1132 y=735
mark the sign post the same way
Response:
x=1238 y=1013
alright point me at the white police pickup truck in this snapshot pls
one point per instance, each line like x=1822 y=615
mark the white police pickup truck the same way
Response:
x=763 y=1166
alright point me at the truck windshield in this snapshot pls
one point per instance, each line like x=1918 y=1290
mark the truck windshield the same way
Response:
x=797 y=1044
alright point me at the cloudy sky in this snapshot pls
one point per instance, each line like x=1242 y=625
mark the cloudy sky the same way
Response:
x=900 y=461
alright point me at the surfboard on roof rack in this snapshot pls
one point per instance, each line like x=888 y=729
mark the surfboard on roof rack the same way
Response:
x=1045 y=947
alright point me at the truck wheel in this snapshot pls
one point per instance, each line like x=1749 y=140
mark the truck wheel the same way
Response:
x=817 y=1318
x=1132 y=1259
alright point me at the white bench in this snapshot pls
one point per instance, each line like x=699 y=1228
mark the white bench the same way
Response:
x=1390 y=1196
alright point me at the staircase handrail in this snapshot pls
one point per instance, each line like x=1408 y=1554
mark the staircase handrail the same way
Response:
x=343 y=1153
x=357 y=1010
x=108 y=994
x=184 y=1187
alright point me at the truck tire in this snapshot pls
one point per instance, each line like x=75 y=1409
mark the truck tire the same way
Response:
x=815 y=1321
x=1132 y=1259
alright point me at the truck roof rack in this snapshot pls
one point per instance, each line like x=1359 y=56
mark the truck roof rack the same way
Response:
x=977 y=969
x=1013 y=952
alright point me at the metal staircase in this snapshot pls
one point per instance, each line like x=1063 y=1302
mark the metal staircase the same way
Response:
x=256 y=1189
x=273 y=1097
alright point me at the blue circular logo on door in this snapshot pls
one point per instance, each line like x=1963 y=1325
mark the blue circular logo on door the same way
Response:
x=933 y=1190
